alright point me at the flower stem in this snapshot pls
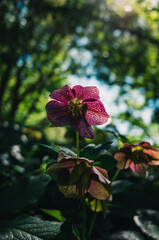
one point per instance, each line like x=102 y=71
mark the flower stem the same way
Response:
x=84 y=222
x=116 y=174
x=77 y=143
x=92 y=222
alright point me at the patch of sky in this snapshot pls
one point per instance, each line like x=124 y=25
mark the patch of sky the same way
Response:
x=19 y=5
x=20 y=62
x=81 y=56
x=79 y=29
x=154 y=3
x=153 y=104
x=23 y=12
x=27 y=59
x=129 y=80
x=136 y=131
x=82 y=41
x=146 y=115
x=117 y=33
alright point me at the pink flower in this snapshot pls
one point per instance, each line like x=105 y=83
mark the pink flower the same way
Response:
x=77 y=176
x=78 y=106
x=137 y=157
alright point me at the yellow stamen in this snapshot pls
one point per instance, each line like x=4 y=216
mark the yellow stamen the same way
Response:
x=75 y=106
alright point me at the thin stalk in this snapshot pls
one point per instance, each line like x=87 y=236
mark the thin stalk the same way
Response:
x=93 y=221
x=116 y=174
x=84 y=227
x=77 y=143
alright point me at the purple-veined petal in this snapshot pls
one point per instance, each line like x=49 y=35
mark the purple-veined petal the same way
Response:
x=63 y=94
x=86 y=93
x=120 y=157
x=64 y=157
x=57 y=113
x=152 y=152
x=96 y=114
x=98 y=190
x=80 y=124
x=58 y=166
x=100 y=176
x=103 y=172
x=127 y=164
x=154 y=162
x=139 y=168
x=143 y=144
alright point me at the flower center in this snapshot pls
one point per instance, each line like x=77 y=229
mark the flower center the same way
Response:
x=75 y=106
x=138 y=155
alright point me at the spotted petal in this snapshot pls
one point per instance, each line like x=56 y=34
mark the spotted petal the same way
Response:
x=57 y=166
x=63 y=94
x=98 y=190
x=96 y=114
x=57 y=113
x=80 y=124
x=86 y=93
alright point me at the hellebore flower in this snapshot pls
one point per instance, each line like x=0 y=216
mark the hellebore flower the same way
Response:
x=137 y=157
x=77 y=176
x=78 y=106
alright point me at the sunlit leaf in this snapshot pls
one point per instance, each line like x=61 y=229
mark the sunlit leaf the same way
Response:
x=57 y=149
x=126 y=235
x=54 y=213
x=91 y=151
x=148 y=221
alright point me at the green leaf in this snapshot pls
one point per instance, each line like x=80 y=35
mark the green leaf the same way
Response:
x=56 y=150
x=91 y=151
x=119 y=136
x=67 y=151
x=54 y=213
x=52 y=149
x=120 y=186
x=29 y=228
x=148 y=221
x=26 y=191
x=76 y=232
x=106 y=161
x=126 y=235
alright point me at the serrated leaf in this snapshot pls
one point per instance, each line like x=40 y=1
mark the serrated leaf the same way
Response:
x=120 y=186
x=29 y=228
x=106 y=161
x=54 y=213
x=148 y=221
x=91 y=151
x=126 y=235
x=26 y=191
